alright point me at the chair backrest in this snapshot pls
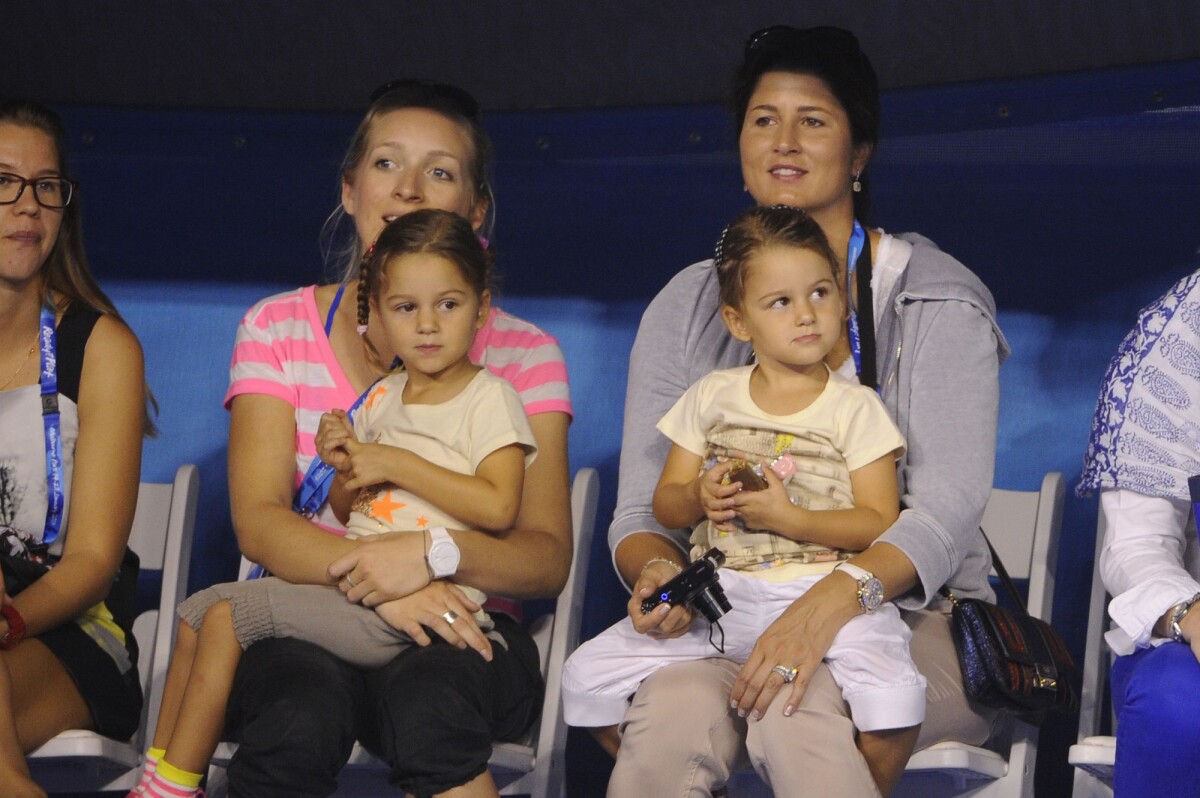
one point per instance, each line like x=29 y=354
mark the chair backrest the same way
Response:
x=551 y=747
x=1023 y=526
x=162 y=537
x=1095 y=651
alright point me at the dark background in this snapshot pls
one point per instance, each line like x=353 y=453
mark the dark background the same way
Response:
x=1051 y=146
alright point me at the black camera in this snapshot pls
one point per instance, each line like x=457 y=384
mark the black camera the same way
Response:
x=696 y=585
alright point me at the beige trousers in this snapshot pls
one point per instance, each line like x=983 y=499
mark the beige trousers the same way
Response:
x=680 y=739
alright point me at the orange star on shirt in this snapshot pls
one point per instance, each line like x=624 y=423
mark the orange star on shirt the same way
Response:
x=374 y=395
x=383 y=506
x=422 y=522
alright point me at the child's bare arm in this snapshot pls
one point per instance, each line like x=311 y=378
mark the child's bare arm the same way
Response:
x=685 y=495
x=876 y=507
x=676 y=501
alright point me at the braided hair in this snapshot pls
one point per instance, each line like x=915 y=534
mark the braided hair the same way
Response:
x=432 y=231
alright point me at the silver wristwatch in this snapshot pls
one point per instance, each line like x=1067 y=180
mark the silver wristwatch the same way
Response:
x=870 y=589
x=1177 y=612
x=443 y=555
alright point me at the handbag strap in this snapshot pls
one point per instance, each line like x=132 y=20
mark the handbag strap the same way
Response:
x=1002 y=572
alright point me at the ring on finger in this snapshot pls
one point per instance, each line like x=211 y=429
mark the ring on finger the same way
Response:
x=349 y=581
x=450 y=616
x=788 y=674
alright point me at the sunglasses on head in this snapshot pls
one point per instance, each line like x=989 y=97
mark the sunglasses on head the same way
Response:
x=423 y=92
x=785 y=37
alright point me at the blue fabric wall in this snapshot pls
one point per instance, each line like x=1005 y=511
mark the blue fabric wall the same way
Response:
x=1072 y=197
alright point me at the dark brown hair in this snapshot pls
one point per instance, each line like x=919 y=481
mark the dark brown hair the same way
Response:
x=753 y=231
x=428 y=230
x=829 y=53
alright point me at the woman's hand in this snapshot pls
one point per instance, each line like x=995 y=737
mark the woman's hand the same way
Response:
x=664 y=620
x=433 y=607
x=384 y=568
x=332 y=434
x=799 y=638
x=769 y=508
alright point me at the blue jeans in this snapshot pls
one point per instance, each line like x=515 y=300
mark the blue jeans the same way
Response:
x=1156 y=695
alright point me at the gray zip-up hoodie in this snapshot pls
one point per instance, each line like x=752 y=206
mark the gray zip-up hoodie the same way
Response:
x=939 y=353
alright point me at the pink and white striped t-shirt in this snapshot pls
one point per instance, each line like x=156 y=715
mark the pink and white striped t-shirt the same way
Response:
x=282 y=351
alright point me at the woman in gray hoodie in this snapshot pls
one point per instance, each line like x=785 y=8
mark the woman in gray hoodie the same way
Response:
x=924 y=332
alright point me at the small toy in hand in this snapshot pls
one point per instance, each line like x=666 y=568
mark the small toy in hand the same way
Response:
x=749 y=475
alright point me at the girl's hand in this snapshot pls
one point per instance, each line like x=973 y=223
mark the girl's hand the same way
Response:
x=769 y=508
x=717 y=499
x=370 y=464
x=799 y=638
x=431 y=608
x=332 y=434
x=384 y=568
x=663 y=621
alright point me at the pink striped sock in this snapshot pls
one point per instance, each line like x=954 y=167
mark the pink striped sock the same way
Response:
x=148 y=768
x=161 y=787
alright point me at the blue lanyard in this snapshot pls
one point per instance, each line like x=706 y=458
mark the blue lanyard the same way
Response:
x=856 y=245
x=314 y=489
x=51 y=423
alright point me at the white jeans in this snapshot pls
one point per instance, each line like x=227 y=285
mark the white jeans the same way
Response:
x=869 y=658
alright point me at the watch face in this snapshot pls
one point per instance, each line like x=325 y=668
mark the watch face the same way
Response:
x=443 y=558
x=872 y=594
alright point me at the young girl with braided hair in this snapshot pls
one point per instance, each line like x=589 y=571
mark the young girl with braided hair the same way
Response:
x=458 y=431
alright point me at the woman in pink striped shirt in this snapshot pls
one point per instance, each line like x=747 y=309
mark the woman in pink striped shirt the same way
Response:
x=434 y=711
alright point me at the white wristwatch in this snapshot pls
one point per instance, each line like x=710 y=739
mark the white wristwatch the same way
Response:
x=443 y=555
x=870 y=589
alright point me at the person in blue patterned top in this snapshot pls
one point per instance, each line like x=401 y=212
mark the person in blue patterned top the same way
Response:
x=1144 y=446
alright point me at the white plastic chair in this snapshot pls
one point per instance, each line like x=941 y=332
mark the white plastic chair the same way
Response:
x=535 y=766
x=79 y=760
x=1094 y=754
x=1024 y=527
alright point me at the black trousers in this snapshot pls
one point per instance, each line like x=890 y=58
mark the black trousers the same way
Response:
x=432 y=714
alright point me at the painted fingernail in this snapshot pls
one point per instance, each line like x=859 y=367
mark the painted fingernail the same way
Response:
x=741 y=713
x=788 y=710
x=733 y=705
x=755 y=715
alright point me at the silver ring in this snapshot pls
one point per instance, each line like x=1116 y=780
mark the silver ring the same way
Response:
x=788 y=674
x=450 y=616
x=349 y=581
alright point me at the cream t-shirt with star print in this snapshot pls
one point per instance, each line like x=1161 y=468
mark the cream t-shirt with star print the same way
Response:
x=457 y=435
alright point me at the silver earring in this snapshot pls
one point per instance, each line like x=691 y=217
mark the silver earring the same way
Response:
x=856 y=186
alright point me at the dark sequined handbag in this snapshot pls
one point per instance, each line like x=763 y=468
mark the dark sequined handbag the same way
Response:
x=1011 y=660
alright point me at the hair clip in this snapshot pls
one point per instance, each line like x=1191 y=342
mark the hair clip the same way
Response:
x=362 y=329
x=717 y=256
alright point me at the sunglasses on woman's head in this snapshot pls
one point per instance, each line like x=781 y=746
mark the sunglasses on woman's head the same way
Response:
x=423 y=92
x=783 y=37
